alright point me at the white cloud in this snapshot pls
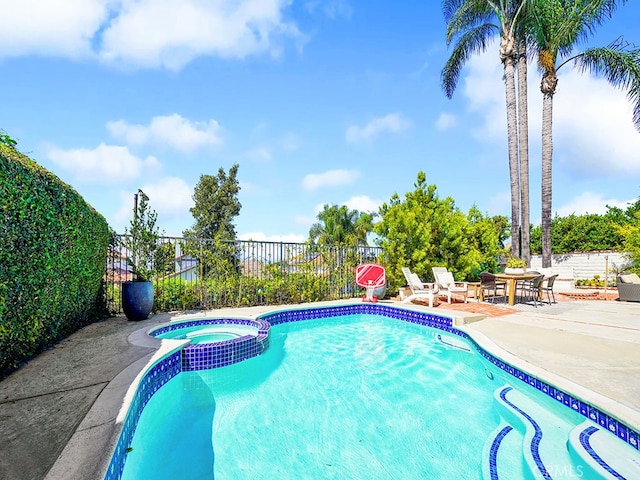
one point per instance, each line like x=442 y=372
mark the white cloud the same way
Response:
x=590 y=202
x=331 y=178
x=103 y=164
x=170 y=34
x=483 y=87
x=170 y=197
x=593 y=132
x=446 y=121
x=263 y=237
x=145 y=33
x=392 y=123
x=64 y=28
x=363 y=203
x=172 y=130
x=593 y=128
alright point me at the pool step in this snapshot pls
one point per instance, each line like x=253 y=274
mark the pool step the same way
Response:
x=502 y=454
x=544 y=437
x=601 y=454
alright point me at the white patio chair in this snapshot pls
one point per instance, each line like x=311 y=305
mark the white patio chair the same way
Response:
x=448 y=286
x=419 y=289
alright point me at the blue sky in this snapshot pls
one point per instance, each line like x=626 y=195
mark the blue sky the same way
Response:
x=335 y=101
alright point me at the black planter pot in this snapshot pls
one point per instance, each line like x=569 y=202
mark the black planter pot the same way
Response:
x=137 y=299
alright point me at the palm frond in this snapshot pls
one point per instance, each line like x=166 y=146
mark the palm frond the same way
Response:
x=472 y=42
x=468 y=15
x=449 y=7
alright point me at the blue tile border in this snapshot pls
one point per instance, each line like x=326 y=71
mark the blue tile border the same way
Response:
x=537 y=437
x=411 y=316
x=151 y=382
x=584 y=441
x=204 y=356
x=622 y=431
x=493 y=453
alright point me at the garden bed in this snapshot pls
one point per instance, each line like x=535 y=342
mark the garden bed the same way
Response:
x=612 y=294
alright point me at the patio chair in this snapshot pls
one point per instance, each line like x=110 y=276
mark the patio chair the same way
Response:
x=629 y=287
x=419 y=289
x=531 y=289
x=447 y=284
x=489 y=283
x=548 y=287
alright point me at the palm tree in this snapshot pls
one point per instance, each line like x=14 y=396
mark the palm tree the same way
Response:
x=470 y=21
x=523 y=147
x=339 y=225
x=557 y=26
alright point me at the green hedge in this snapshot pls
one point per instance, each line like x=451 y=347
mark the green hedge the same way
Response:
x=241 y=291
x=53 y=250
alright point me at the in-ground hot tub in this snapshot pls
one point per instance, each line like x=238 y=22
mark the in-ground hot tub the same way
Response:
x=216 y=342
x=220 y=331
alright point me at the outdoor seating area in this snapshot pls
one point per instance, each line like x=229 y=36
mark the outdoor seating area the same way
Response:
x=509 y=288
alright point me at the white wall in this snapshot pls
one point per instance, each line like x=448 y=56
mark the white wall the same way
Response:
x=579 y=266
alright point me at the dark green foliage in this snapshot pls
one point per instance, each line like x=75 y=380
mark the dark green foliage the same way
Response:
x=339 y=225
x=216 y=206
x=241 y=291
x=585 y=233
x=176 y=295
x=53 y=250
x=424 y=231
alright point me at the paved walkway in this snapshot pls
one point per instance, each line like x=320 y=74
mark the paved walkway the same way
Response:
x=57 y=412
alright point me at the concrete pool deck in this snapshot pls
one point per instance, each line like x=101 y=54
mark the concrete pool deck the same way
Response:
x=57 y=413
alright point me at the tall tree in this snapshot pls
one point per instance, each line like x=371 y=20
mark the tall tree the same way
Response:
x=557 y=26
x=422 y=230
x=339 y=225
x=470 y=21
x=216 y=206
x=523 y=146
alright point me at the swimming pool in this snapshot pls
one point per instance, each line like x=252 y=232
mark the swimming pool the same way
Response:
x=365 y=396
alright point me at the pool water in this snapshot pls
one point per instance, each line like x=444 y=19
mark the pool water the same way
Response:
x=209 y=333
x=352 y=397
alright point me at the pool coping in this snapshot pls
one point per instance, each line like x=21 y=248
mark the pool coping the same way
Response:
x=95 y=424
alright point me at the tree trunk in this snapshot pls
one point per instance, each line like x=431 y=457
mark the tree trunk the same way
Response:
x=548 y=88
x=507 y=56
x=523 y=153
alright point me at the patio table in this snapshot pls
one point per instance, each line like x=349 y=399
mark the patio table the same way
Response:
x=511 y=279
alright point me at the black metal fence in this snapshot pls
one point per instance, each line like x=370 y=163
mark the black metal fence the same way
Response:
x=194 y=274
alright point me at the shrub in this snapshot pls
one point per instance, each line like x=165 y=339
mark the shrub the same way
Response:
x=176 y=294
x=53 y=249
